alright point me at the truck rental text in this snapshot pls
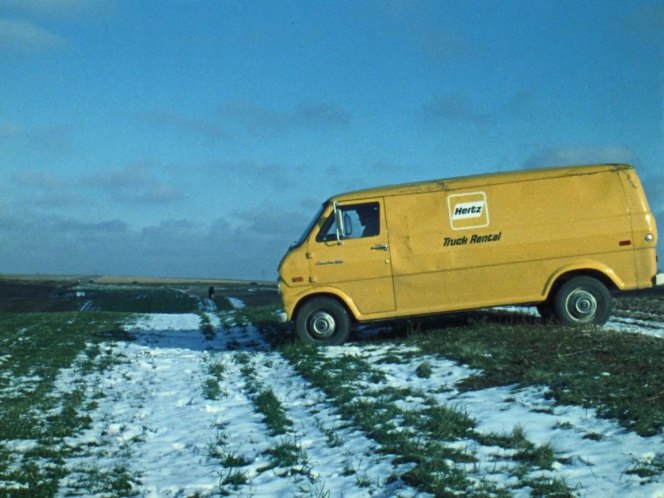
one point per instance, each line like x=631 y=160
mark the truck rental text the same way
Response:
x=562 y=239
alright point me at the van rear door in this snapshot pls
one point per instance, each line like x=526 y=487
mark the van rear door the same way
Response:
x=355 y=258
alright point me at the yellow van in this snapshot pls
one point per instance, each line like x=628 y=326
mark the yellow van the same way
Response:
x=560 y=238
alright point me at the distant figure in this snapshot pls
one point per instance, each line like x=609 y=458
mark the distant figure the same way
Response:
x=211 y=292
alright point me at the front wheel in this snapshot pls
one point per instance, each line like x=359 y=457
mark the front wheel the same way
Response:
x=323 y=321
x=582 y=301
x=545 y=310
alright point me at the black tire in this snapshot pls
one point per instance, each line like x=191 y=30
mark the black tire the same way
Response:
x=323 y=321
x=582 y=301
x=545 y=310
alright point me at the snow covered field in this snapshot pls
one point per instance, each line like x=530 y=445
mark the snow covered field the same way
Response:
x=201 y=404
x=156 y=426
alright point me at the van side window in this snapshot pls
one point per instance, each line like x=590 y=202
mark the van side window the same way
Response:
x=361 y=220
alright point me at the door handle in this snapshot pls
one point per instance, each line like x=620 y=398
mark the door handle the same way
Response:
x=379 y=247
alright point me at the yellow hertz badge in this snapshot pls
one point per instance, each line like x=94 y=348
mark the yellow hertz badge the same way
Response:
x=468 y=211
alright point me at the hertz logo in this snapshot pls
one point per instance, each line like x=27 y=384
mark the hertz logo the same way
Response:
x=468 y=211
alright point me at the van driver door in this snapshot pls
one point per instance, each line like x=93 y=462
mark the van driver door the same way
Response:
x=355 y=257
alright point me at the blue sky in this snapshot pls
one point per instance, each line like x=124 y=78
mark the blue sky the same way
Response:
x=196 y=138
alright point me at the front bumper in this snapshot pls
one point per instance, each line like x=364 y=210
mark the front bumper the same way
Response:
x=282 y=317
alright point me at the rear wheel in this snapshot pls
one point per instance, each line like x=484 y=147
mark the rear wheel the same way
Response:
x=582 y=301
x=323 y=321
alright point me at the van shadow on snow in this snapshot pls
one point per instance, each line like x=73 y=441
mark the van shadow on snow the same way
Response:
x=401 y=329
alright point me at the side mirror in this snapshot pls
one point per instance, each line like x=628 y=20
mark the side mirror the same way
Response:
x=340 y=220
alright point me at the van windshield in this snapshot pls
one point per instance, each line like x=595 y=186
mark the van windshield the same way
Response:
x=310 y=226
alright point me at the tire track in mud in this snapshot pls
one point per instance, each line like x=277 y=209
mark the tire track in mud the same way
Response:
x=150 y=422
x=331 y=457
x=154 y=432
x=338 y=458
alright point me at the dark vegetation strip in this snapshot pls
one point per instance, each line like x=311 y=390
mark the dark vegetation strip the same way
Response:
x=144 y=300
x=26 y=297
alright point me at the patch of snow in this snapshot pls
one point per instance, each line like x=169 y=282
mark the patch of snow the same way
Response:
x=207 y=304
x=593 y=454
x=87 y=306
x=618 y=323
x=236 y=303
x=154 y=423
x=155 y=420
x=636 y=326
x=596 y=452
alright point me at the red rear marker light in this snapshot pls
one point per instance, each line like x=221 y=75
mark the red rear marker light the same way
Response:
x=297 y=279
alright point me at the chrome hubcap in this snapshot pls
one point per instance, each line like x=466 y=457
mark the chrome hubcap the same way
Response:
x=322 y=324
x=582 y=305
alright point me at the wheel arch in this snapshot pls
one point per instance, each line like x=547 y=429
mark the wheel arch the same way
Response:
x=330 y=294
x=605 y=275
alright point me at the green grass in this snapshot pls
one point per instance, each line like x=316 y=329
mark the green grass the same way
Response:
x=286 y=453
x=40 y=346
x=264 y=399
x=211 y=388
x=424 y=370
x=233 y=479
x=267 y=403
x=618 y=374
x=420 y=437
x=232 y=460
x=549 y=488
x=212 y=385
x=207 y=328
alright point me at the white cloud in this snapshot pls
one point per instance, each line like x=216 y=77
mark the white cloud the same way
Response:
x=647 y=21
x=414 y=21
x=274 y=175
x=175 y=247
x=181 y=123
x=18 y=36
x=9 y=130
x=53 y=139
x=33 y=188
x=254 y=119
x=38 y=179
x=457 y=108
x=580 y=154
x=57 y=8
x=322 y=114
x=136 y=183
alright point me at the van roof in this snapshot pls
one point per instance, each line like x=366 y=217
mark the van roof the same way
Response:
x=464 y=182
